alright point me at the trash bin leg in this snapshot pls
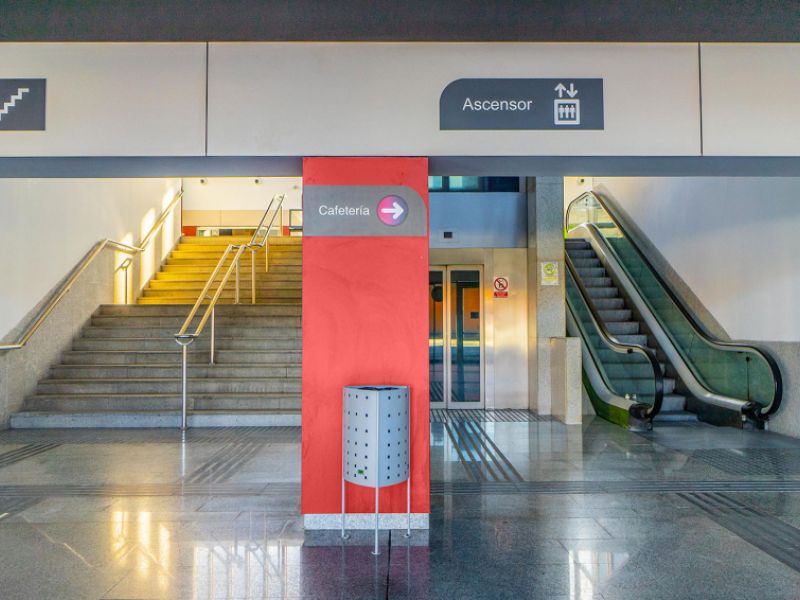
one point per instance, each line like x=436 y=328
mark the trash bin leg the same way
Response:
x=344 y=535
x=376 y=551
x=408 y=505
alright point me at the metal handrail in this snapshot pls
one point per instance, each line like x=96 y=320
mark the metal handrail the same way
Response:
x=78 y=270
x=640 y=410
x=280 y=198
x=184 y=338
x=699 y=327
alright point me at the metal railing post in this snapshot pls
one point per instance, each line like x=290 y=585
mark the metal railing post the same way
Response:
x=184 y=340
x=183 y=337
x=253 y=254
x=184 y=368
x=213 y=332
x=238 y=277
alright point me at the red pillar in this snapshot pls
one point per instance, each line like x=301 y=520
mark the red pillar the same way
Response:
x=365 y=316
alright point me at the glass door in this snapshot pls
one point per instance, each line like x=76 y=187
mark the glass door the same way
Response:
x=455 y=340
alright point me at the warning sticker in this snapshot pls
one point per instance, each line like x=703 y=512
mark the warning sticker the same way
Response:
x=500 y=287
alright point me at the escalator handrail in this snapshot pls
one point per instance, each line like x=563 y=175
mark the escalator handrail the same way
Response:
x=621 y=347
x=699 y=328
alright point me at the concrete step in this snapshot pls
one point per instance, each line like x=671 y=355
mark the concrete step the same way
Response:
x=231 y=310
x=218 y=385
x=170 y=275
x=191 y=298
x=188 y=301
x=234 y=332
x=159 y=401
x=222 y=320
x=216 y=239
x=262 y=283
x=193 y=267
x=172 y=371
x=172 y=356
x=202 y=344
x=154 y=418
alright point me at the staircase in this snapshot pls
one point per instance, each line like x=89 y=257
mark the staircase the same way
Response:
x=124 y=369
x=193 y=259
x=619 y=319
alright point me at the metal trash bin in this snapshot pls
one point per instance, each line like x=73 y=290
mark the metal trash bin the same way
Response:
x=376 y=425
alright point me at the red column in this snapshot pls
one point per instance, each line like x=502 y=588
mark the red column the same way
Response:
x=365 y=321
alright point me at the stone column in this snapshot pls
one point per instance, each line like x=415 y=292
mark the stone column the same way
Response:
x=546 y=304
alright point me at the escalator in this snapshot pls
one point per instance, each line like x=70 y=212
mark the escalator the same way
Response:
x=646 y=357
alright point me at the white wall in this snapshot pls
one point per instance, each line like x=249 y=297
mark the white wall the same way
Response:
x=750 y=96
x=48 y=225
x=383 y=98
x=240 y=193
x=303 y=99
x=120 y=99
x=734 y=242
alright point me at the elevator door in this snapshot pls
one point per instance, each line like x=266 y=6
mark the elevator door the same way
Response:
x=455 y=336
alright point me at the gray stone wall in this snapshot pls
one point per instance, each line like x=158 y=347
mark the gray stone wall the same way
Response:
x=547 y=304
x=20 y=370
x=787 y=419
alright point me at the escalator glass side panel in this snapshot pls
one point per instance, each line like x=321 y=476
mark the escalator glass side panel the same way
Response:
x=628 y=375
x=742 y=375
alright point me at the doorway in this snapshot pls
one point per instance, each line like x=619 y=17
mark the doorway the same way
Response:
x=455 y=336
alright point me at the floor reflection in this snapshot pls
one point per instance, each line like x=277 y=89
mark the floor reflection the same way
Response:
x=589 y=570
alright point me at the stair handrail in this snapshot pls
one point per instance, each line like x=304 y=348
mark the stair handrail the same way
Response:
x=184 y=337
x=698 y=326
x=640 y=410
x=33 y=326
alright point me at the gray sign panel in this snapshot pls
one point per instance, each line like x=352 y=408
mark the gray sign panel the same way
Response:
x=344 y=210
x=565 y=104
x=22 y=104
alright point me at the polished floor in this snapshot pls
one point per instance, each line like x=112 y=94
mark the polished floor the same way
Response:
x=522 y=507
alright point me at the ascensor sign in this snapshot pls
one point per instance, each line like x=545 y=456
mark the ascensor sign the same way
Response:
x=522 y=104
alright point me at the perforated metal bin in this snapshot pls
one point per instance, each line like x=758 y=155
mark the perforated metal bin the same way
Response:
x=375 y=440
